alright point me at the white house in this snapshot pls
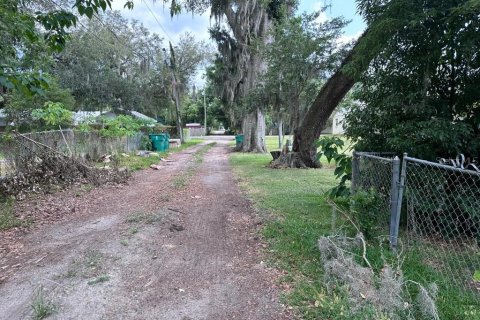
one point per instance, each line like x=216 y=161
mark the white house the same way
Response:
x=336 y=123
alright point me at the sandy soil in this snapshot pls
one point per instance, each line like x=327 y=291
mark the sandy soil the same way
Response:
x=143 y=250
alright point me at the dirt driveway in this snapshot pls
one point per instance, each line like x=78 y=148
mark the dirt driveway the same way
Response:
x=161 y=247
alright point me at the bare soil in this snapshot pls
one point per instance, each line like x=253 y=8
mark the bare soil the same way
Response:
x=142 y=251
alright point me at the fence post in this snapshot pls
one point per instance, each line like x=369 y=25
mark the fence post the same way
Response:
x=401 y=189
x=394 y=212
x=355 y=171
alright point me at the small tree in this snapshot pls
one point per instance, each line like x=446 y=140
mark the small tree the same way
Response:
x=53 y=115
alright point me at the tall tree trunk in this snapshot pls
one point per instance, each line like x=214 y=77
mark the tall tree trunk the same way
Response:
x=253 y=128
x=331 y=94
x=176 y=98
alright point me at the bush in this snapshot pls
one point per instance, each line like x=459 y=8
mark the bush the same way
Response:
x=121 y=126
x=53 y=115
x=365 y=208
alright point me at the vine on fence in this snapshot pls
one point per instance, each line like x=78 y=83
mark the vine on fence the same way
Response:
x=330 y=148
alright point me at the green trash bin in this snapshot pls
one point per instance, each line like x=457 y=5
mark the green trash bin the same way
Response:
x=239 y=140
x=158 y=141
x=167 y=141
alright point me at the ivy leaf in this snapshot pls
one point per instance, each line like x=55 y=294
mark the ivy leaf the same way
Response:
x=89 y=12
x=476 y=276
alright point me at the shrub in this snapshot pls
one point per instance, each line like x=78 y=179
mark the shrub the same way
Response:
x=365 y=208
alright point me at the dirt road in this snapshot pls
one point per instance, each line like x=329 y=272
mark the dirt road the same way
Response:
x=162 y=247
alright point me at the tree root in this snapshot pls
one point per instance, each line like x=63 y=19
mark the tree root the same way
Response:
x=288 y=160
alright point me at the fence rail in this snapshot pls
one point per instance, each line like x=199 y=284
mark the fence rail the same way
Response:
x=434 y=209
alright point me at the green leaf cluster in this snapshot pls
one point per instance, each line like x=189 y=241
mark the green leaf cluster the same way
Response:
x=53 y=115
x=121 y=126
x=330 y=147
x=420 y=92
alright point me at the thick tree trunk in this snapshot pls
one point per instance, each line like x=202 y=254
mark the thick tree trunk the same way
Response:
x=316 y=117
x=331 y=94
x=253 y=127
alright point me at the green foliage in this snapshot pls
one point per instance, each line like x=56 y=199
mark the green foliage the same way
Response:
x=303 y=54
x=121 y=126
x=53 y=115
x=365 y=209
x=145 y=143
x=41 y=307
x=297 y=214
x=419 y=93
x=19 y=106
x=330 y=146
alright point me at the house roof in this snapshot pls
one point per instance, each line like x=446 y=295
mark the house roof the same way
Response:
x=81 y=116
x=141 y=116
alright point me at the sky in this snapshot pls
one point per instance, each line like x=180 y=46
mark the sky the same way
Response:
x=156 y=17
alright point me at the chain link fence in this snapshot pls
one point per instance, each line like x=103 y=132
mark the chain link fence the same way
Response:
x=373 y=172
x=438 y=207
x=443 y=219
x=89 y=146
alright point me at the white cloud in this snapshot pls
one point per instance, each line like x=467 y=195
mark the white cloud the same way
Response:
x=156 y=17
x=344 y=39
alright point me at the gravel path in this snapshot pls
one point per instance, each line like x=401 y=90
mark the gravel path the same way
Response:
x=144 y=251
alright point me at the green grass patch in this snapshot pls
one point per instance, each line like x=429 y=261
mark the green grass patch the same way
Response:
x=301 y=215
x=146 y=218
x=272 y=145
x=181 y=181
x=135 y=163
x=298 y=214
x=99 y=279
x=41 y=307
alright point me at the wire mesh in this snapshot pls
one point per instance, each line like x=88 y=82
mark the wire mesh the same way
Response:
x=374 y=173
x=443 y=220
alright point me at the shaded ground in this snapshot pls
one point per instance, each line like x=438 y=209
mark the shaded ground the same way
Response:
x=142 y=251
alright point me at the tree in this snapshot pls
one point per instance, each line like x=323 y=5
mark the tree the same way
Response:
x=385 y=21
x=301 y=54
x=420 y=93
x=107 y=68
x=21 y=36
x=19 y=106
x=240 y=61
x=184 y=60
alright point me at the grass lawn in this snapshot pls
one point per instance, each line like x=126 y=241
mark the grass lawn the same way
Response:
x=272 y=145
x=297 y=215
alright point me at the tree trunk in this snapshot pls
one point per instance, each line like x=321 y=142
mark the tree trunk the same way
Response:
x=280 y=134
x=253 y=128
x=331 y=94
x=176 y=98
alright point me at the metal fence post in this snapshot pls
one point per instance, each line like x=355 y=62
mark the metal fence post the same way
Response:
x=355 y=171
x=394 y=212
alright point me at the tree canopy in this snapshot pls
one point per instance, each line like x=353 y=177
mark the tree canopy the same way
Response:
x=420 y=92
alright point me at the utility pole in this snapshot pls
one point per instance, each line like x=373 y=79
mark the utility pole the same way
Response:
x=205 y=110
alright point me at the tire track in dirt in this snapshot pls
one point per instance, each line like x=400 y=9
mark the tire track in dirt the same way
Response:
x=209 y=270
